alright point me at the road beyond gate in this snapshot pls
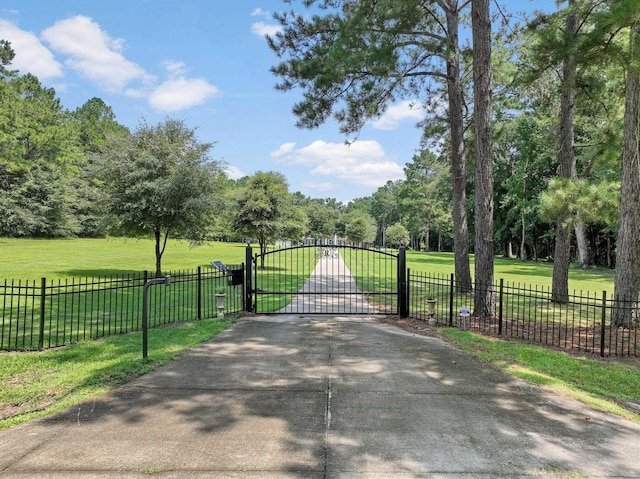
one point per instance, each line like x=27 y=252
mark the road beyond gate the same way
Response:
x=324 y=397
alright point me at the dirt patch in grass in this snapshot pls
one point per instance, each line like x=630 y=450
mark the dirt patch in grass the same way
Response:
x=37 y=404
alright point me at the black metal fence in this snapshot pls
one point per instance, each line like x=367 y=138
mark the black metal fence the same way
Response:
x=45 y=314
x=524 y=312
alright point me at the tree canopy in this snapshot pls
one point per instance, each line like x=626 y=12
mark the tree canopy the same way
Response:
x=160 y=182
x=265 y=210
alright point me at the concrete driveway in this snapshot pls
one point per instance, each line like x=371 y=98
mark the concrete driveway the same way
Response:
x=324 y=397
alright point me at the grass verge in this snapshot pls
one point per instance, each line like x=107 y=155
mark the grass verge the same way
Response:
x=37 y=384
x=604 y=385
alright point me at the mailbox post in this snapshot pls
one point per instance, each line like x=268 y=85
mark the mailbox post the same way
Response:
x=145 y=324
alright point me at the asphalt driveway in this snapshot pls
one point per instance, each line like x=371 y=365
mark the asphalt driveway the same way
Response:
x=324 y=397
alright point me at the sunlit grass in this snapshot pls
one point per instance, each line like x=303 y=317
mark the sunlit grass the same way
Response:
x=516 y=272
x=601 y=385
x=78 y=257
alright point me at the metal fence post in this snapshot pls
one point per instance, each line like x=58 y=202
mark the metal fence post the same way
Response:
x=451 y=286
x=500 y=295
x=403 y=309
x=603 y=321
x=248 y=299
x=43 y=295
x=199 y=293
x=145 y=323
x=408 y=291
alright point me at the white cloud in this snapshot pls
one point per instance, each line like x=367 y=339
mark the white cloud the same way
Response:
x=262 y=29
x=363 y=163
x=31 y=55
x=234 y=173
x=284 y=149
x=93 y=54
x=259 y=12
x=174 y=67
x=180 y=93
x=395 y=114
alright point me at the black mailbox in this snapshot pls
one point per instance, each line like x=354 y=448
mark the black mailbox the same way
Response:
x=235 y=277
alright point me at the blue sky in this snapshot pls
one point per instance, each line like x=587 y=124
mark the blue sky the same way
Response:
x=205 y=62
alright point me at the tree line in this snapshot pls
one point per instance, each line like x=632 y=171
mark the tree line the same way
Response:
x=529 y=146
x=543 y=108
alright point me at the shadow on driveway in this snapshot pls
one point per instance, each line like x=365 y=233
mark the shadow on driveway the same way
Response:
x=291 y=396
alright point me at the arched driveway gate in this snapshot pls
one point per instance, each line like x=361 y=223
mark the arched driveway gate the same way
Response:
x=327 y=279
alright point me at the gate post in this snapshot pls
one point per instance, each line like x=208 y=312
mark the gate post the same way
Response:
x=248 y=276
x=403 y=296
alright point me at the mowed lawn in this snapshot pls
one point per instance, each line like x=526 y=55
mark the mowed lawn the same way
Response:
x=72 y=258
x=514 y=271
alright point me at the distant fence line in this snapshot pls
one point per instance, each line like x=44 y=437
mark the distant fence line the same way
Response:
x=524 y=312
x=36 y=315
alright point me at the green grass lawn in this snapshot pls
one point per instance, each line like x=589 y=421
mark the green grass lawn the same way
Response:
x=71 y=258
x=605 y=386
x=516 y=271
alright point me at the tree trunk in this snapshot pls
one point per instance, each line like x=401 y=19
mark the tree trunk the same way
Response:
x=561 y=259
x=426 y=240
x=458 y=159
x=627 y=276
x=523 y=252
x=262 y=242
x=158 y=237
x=584 y=256
x=567 y=168
x=485 y=301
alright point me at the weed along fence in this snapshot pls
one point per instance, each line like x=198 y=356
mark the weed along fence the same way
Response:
x=45 y=314
x=582 y=323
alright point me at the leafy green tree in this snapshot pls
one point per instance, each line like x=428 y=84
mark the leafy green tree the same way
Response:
x=265 y=211
x=581 y=201
x=561 y=45
x=385 y=207
x=322 y=218
x=357 y=230
x=397 y=234
x=524 y=163
x=6 y=57
x=425 y=196
x=95 y=124
x=161 y=182
x=37 y=149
